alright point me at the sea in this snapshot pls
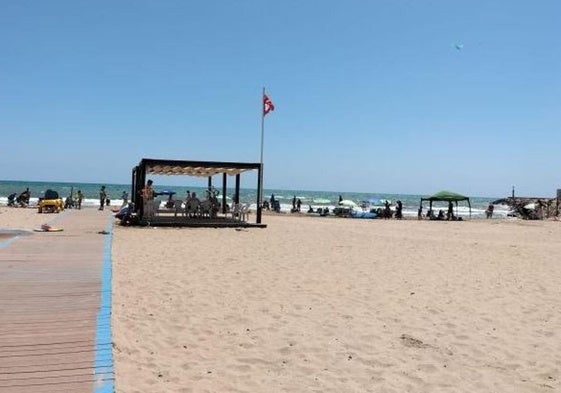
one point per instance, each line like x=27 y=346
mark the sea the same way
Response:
x=309 y=198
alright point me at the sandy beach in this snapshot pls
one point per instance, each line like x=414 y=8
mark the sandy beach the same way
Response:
x=339 y=305
x=210 y=111
x=335 y=305
x=23 y=218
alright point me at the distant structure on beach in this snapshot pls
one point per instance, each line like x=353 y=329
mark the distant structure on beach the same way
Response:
x=532 y=208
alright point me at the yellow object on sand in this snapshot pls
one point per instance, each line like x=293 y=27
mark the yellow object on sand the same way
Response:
x=48 y=228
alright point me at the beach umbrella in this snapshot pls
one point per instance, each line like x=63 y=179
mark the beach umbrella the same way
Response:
x=347 y=203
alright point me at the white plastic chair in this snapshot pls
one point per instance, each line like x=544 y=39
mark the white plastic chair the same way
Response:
x=192 y=207
x=205 y=208
x=244 y=212
x=236 y=211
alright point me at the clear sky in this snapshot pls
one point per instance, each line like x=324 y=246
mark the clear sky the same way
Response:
x=387 y=96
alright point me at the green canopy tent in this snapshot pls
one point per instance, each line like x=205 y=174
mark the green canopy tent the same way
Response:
x=447 y=196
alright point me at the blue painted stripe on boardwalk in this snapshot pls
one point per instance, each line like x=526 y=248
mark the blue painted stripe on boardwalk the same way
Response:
x=103 y=362
x=5 y=243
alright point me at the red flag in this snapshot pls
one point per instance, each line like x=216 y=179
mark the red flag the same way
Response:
x=267 y=105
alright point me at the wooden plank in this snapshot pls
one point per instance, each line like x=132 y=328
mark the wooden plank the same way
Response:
x=50 y=294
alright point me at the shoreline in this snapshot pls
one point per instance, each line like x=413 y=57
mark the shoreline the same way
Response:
x=317 y=199
x=408 y=215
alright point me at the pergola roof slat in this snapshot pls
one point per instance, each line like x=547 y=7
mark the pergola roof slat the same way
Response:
x=195 y=168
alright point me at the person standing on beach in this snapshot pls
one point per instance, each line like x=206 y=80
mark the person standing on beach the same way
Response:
x=23 y=198
x=148 y=199
x=387 y=210
x=294 y=203
x=79 y=198
x=102 y=197
x=398 y=210
x=450 y=214
x=489 y=211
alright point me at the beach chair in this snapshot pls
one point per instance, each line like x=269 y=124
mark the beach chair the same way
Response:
x=192 y=207
x=244 y=212
x=205 y=208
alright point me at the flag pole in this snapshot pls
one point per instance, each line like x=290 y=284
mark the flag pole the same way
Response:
x=262 y=127
x=260 y=184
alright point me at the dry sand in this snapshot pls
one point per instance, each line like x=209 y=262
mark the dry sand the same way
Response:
x=339 y=305
x=24 y=218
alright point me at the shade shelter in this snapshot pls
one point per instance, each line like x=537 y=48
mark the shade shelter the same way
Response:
x=447 y=196
x=208 y=169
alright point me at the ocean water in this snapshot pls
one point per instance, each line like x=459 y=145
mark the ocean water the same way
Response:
x=315 y=199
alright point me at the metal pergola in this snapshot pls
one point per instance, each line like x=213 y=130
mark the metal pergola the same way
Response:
x=208 y=169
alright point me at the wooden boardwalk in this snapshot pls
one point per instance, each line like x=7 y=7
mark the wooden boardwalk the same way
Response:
x=55 y=307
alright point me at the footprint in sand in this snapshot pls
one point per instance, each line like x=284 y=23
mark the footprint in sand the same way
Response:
x=412 y=342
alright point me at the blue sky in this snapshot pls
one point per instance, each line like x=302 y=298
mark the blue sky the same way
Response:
x=374 y=96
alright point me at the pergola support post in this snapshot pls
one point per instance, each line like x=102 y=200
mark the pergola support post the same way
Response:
x=133 y=185
x=224 y=184
x=237 y=192
x=259 y=201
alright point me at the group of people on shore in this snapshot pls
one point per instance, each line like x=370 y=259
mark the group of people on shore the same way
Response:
x=440 y=216
x=387 y=212
x=76 y=203
x=191 y=200
x=21 y=200
x=274 y=204
x=147 y=193
x=105 y=200
x=296 y=205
